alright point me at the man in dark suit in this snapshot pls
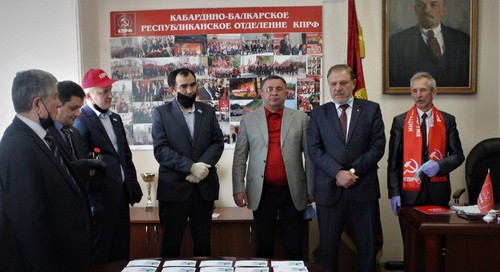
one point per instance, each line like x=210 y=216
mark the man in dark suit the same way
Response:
x=70 y=141
x=419 y=164
x=206 y=93
x=188 y=142
x=285 y=45
x=44 y=224
x=104 y=129
x=346 y=140
x=430 y=46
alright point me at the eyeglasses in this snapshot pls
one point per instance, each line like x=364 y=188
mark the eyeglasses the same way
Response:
x=278 y=89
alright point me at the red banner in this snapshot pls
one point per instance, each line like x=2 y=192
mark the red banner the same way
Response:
x=303 y=19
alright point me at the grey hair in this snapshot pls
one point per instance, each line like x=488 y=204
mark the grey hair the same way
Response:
x=28 y=85
x=419 y=75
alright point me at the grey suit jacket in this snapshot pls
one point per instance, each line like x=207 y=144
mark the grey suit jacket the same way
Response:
x=252 y=145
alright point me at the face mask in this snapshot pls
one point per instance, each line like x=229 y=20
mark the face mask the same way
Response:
x=185 y=101
x=46 y=122
x=99 y=108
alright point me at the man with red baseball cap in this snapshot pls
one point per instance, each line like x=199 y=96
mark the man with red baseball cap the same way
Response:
x=102 y=128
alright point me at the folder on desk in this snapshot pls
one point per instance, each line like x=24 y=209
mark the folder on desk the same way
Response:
x=468 y=212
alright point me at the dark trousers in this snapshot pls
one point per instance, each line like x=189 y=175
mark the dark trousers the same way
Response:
x=331 y=221
x=173 y=219
x=275 y=206
x=111 y=241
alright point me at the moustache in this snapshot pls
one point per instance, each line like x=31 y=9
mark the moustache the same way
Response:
x=419 y=100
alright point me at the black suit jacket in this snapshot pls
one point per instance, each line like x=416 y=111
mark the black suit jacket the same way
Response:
x=176 y=151
x=44 y=224
x=409 y=54
x=439 y=191
x=94 y=135
x=330 y=153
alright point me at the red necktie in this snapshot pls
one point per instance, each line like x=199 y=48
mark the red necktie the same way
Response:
x=433 y=44
x=343 y=120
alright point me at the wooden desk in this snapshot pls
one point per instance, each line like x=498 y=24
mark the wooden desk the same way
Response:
x=232 y=235
x=450 y=243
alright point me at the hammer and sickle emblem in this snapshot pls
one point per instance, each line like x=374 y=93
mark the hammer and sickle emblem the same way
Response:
x=436 y=155
x=411 y=166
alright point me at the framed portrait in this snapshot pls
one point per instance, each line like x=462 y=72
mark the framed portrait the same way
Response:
x=434 y=36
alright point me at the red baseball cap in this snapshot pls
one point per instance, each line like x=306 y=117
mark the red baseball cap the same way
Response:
x=96 y=78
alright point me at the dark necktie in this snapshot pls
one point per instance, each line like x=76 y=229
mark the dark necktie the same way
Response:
x=343 y=120
x=50 y=140
x=67 y=131
x=423 y=130
x=433 y=44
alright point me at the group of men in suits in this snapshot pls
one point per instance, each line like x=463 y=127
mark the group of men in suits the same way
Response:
x=71 y=221
x=64 y=211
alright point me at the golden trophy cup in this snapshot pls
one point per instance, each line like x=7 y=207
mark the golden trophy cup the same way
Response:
x=149 y=178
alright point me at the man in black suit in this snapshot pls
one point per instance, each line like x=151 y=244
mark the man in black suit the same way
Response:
x=70 y=141
x=206 y=93
x=44 y=224
x=346 y=140
x=188 y=142
x=430 y=46
x=104 y=129
x=419 y=164
x=285 y=45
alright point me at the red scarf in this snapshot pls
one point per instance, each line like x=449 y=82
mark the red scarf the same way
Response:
x=412 y=147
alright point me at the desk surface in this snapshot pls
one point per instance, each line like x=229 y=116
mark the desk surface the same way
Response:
x=227 y=214
x=447 y=224
x=119 y=265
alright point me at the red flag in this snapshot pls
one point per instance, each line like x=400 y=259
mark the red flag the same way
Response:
x=485 y=199
x=355 y=51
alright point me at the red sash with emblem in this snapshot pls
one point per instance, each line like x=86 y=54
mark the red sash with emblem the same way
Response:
x=412 y=147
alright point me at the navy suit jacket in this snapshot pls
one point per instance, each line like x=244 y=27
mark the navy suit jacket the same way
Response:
x=176 y=151
x=330 y=153
x=94 y=135
x=409 y=54
x=44 y=223
x=439 y=191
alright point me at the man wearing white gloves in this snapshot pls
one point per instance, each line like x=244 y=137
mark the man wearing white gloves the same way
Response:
x=188 y=142
x=423 y=149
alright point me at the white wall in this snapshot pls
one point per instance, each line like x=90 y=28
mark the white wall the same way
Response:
x=36 y=34
x=45 y=36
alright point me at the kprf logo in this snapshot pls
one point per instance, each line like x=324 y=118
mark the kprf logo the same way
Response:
x=125 y=23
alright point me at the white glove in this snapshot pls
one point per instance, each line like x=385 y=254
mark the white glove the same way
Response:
x=200 y=170
x=191 y=178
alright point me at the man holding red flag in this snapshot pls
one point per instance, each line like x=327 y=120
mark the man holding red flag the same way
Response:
x=485 y=200
x=423 y=149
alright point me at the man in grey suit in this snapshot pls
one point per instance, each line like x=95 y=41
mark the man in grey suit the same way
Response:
x=187 y=142
x=346 y=140
x=273 y=140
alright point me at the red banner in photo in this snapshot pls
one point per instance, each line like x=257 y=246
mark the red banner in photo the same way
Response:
x=300 y=19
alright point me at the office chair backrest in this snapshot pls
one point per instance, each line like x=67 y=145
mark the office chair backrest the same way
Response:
x=484 y=155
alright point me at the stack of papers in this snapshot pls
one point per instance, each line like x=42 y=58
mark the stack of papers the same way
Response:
x=144 y=265
x=468 y=210
x=179 y=266
x=288 y=266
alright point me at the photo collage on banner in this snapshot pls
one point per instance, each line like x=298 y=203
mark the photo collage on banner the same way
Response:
x=230 y=53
